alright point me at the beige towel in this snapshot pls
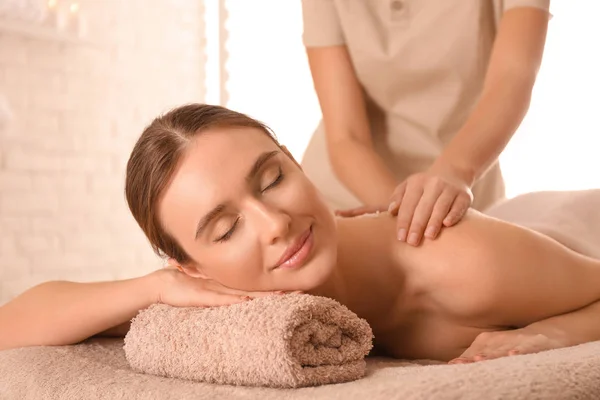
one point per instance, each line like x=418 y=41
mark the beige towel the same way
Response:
x=572 y=218
x=97 y=370
x=280 y=341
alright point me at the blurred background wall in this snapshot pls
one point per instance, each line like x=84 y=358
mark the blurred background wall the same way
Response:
x=78 y=104
x=74 y=100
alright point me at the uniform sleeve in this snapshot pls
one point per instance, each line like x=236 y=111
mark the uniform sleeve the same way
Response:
x=321 y=24
x=541 y=4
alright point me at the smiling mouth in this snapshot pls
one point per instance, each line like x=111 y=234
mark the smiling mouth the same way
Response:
x=298 y=252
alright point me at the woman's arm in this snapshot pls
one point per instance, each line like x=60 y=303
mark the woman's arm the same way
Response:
x=61 y=313
x=495 y=273
x=349 y=142
x=571 y=329
x=511 y=74
x=576 y=327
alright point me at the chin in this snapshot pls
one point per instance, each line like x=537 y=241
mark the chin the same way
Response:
x=312 y=275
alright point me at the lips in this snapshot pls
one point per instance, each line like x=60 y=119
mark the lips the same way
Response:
x=297 y=251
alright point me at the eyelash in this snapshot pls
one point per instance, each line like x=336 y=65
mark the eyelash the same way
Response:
x=276 y=182
x=226 y=236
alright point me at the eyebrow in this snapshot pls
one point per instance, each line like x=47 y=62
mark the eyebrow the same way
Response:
x=212 y=214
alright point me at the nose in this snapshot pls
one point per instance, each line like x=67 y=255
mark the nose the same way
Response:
x=272 y=223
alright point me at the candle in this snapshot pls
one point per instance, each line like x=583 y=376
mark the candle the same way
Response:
x=55 y=15
x=77 y=22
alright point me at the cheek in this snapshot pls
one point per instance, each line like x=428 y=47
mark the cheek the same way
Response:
x=234 y=263
x=305 y=196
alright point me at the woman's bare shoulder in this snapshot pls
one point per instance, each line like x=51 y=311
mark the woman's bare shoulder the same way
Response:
x=458 y=267
x=489 y=270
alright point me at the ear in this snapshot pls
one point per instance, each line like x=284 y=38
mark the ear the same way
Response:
x=287 y=152
x=190 y=269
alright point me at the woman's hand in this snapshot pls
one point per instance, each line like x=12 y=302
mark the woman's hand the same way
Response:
x=490 y=345
x=427 y=200
x=178 y=289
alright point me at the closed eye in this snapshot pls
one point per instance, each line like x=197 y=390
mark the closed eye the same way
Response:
x=231 y=231
x=276 y=182
x=228 y=234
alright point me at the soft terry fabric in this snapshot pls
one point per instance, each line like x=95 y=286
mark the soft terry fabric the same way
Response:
x=571 y=218
x=97 y=369
x=276 y=341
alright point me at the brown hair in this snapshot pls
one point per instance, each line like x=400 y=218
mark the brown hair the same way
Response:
x=155 y=157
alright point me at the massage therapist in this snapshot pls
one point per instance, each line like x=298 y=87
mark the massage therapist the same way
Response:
x=419 y=98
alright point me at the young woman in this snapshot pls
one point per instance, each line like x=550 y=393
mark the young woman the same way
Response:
x=212 y=189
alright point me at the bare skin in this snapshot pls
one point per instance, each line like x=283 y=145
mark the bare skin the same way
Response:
x=483 y=275
x=432 y=301
x=440 y=194
x=425 y=302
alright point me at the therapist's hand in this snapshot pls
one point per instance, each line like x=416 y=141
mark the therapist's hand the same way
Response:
x=426 y=201
x=358 y=211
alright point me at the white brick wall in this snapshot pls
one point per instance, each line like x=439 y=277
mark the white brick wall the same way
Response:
x=78 y=108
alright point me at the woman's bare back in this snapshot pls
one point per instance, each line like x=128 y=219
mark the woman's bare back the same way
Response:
x=406 y=322
x=430 y=329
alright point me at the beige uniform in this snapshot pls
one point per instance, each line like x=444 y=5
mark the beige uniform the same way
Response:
x=421 y=64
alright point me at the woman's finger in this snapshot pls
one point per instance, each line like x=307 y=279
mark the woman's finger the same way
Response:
x=440 y=211
x=422 y=214
x=462 y=360
x=236 y=292
x=216 y=299
x=477 y=347
x=265 y=294
x=469 y=353
x=408 y=204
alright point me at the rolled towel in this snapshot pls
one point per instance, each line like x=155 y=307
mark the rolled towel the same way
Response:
x=282 y=341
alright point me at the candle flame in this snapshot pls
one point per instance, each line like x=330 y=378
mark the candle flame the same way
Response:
x=74 y=7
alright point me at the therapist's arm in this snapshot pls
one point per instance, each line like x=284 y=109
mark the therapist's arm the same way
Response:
x=349 y=144
x=514 y=63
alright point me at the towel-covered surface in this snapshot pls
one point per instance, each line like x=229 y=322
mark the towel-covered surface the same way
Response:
x=276 y=341
x=97 y=369
x=572 y=218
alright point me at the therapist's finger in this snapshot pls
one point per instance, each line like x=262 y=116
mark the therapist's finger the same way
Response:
x=408 y=204
x=396 y=198
x=440 y=211
x=458 y=210
x=355 y=212
x=423 y=213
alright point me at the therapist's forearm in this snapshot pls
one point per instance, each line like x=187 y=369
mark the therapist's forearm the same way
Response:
x=515 y=60
x=360 y=169
x=489 y=128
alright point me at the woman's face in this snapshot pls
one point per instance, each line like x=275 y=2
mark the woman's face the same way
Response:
x=246 y=214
